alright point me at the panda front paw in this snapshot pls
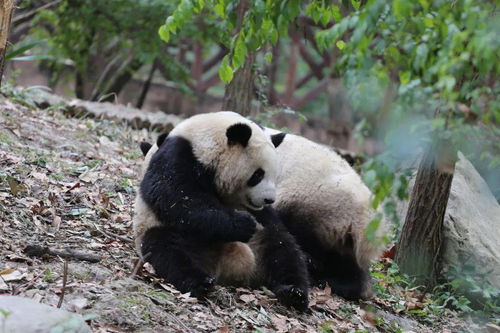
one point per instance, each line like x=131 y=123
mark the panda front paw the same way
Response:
x=199 y=288
x=293 y=296
x=245 y=226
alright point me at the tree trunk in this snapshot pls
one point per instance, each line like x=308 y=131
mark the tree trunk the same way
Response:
x=6 y=9
x=120 y=80
x=419 y=246
x=147 y=84
x=239 y=92
x=292 y=68
x=273 y=74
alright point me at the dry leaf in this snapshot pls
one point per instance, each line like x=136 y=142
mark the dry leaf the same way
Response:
x=15 y=186
x=4 y=286
x=248 y=298
x=11 y=275
x=56 y=222
x=40 y=176
x=90 y=176
x=279 y=322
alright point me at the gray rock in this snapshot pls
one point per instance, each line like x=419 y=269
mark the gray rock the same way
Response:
x=471 y=225
x=19 y=315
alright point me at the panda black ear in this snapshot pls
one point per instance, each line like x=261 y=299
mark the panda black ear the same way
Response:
x=238 y=134
x=160 y=139
x=145 y=147
x=277 y=139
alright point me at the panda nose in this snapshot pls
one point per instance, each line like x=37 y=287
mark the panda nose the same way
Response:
x=268 y=201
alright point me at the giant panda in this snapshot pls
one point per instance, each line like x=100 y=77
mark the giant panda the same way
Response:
x=203 y=215
x=326 y=206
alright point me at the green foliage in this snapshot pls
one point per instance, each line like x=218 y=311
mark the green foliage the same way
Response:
x=77 y=32
x=465 y=292
x=263 y=22
x=468 y=292
x=435 y=53
x=402 y=61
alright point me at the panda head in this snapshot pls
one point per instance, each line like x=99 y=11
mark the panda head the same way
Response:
x=241 y=155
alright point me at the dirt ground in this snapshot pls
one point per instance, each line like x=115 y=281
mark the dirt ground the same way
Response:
x=68 y=184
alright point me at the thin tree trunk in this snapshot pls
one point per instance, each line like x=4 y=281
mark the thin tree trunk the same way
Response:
x=6 y=10
x=419 y=246
x=292 y=68
x=79 y=85
x=147 y=84
x=239 y=92
x=119 y=81
x=273 y=74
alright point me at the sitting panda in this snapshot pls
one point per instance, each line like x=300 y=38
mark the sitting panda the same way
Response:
x=326 y=206
x=203 y=214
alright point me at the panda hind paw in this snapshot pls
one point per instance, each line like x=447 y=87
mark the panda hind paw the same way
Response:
x=293 y=296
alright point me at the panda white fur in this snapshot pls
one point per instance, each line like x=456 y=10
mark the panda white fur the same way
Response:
x=192 y=220
x=326 y=206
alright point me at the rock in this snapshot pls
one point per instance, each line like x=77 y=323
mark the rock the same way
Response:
x=471 y=225
x=79 y=108
x=18 y=314
x=492 y=328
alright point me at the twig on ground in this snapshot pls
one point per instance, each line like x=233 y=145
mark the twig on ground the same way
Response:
x=111 y=235
x=40 y=251
x=65 y=278
x=138 y=266
x=28 y=284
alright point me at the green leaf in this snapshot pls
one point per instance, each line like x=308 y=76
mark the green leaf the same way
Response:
x=220 y=9
x=401 y=8
x=404 y=77
x=14 y=53
x=371 y=229
x=340 y=44
x=225 y=70
x=421 y=56
x=268 y=57
x=336 y=13
x=325 y=18
x=170 y=24
x=240 y=51
x=356 y=4
x=34 y=57
x=164 y=33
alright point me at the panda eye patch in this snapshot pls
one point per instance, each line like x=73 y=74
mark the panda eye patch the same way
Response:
x=256 y=178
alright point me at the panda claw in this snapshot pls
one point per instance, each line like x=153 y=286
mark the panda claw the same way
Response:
x=201 y=288
x=293 y=296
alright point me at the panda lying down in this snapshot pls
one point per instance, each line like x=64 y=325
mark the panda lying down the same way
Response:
x=190 y=221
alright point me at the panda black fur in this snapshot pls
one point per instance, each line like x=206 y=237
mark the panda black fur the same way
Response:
x=326 y=206
x=190 y=221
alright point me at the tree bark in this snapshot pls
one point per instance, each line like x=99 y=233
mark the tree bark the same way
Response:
x=119 y=81
x=292 y=68
x=239 y=92
x=419 y=246
x=6 y=10
x=273 y=74
x=147 y=85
